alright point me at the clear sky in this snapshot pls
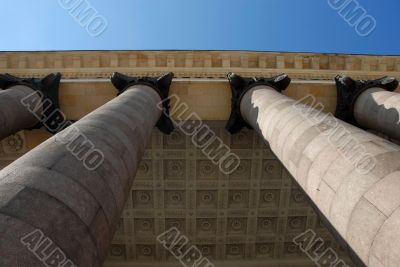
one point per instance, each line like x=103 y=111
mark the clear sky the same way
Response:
x=262 y=25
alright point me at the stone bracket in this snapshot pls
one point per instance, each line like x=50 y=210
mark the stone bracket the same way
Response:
x=239 y=87
x=160 y=84
x=348 y=90
x=49 y=88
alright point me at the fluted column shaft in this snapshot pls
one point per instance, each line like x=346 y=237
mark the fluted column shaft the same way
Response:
x=61 y=189
x=378 y=109
x=14 y=115
x=361 y=203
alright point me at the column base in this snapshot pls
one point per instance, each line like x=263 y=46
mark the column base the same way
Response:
x=240 y=86
x=161 y=85
x=348 y=90
x=49 y=89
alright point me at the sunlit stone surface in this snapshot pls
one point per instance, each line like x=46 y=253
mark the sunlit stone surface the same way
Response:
x=246 y=219
x=359 y=198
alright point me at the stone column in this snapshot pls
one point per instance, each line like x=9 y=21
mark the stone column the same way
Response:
x=370 y=104
x=61 y=202
x=24 y=102
x=350 y=175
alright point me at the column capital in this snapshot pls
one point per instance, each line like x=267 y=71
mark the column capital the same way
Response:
x=49 y=91
x=239 y=87
x=160 y=84
x=348 y=90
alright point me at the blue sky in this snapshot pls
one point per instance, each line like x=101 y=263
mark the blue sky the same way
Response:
x=261 y=25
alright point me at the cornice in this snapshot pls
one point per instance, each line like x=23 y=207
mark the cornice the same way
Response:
x=294 y=262
x=197 y=64
x=218 y=73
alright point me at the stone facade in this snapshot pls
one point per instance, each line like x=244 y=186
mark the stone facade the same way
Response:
x=198 y=64
x=251 y=215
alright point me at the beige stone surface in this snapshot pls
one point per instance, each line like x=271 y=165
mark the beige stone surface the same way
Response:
x=271 y=204
x=359 y=205
x=208 y=97
x=215 y=64
x=210 y=100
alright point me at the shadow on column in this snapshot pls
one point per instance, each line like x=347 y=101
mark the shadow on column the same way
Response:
x=61 y=202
